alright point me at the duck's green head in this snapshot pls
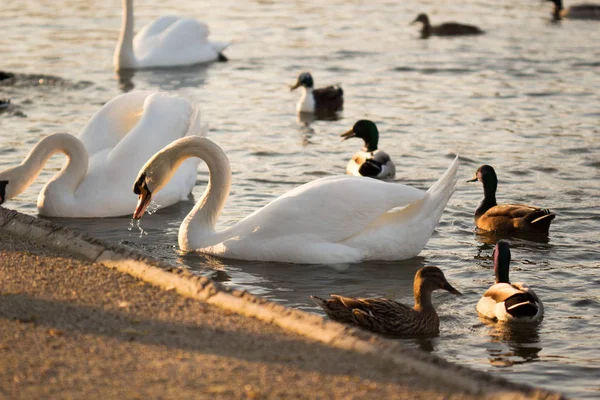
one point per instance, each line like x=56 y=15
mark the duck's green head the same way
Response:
x=501 y=261
x=422 y=18
x=367 y=131
x=486 y=175
x=304 y=79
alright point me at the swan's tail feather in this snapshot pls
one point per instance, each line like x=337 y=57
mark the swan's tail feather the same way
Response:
x=219 y=46
x=446 y=181
x=440 y=193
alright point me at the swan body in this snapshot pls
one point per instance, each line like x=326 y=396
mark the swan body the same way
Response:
x=505 y=301
x=387 y=316
x=119 y=138
x=336 y=219
x=167 y=42
x=370 y=161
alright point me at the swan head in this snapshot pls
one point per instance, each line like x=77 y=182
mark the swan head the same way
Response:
x=367 y=131
x=3 y=191
x=501 y=261
x=305 y=79
x=152 y=178
x=422 y=18
x=428 y=279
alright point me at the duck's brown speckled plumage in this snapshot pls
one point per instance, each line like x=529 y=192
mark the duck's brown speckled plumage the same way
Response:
x=390 y=317
x=507 y=218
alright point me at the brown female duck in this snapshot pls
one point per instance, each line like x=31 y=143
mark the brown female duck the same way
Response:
x=390 y=317
x=578 y=11
x=507 y=218
x=445 y=29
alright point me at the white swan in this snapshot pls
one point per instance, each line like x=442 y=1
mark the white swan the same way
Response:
x=337 y=219
x=103 y=159
x=167 y=42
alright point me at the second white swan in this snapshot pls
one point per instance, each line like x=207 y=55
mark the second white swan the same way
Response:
x=338 y=219
x=104 y=158
x=168 y=41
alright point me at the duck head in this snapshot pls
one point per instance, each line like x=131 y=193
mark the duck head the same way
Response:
x=304 y=79
x=501 y=261
x=428 y=279
x=3 y=191
x=486 y=175
x=367 y=131
x=422 y=18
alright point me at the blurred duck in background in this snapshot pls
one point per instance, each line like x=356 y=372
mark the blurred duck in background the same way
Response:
x=577 y=11
x=329 y=99
x=445 y=29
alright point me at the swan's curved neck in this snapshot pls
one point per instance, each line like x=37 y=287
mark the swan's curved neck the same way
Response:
x=199 y=226
x=124 y=57
x=66 y=181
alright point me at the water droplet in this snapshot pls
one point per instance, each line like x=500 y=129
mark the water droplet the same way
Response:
x=152 y=207
x=136 y=223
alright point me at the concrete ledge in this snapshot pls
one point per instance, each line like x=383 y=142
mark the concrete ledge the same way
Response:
x=313 y=326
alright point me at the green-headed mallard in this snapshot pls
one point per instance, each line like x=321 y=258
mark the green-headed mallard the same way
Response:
x=578 y=11
x=507 y=218
x=505 y=301
x=445 y=29
x=370 y=161
x=327 y=99
x=388 y=316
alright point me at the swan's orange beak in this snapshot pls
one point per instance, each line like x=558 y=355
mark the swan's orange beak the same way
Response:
x=143 y=200
x=144 y=196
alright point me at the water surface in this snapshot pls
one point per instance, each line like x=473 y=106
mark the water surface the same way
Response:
x=525 y=98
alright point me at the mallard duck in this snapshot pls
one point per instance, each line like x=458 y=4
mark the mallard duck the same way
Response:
x=507 y=218
x=445 y=29
x=370 y=161
x=327 y=99
x=505 y=301
x=388 y=316
x=578 y=11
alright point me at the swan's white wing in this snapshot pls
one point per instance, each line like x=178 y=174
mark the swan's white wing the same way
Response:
x=162 y=119
x=174 y=41
x=113 y=122
x=328 y=209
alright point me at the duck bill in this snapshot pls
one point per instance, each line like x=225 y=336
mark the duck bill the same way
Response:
x=450 y=288
x=474 y=179
x=295 y=86
x=347 y=135
x=144 y=199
